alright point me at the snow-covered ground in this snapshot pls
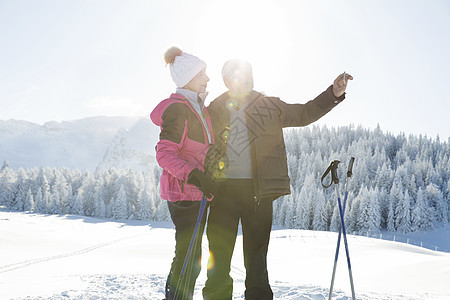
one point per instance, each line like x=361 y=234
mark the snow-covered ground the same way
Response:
x=72 y=257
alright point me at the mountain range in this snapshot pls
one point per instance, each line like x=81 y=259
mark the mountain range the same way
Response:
x=94 y=143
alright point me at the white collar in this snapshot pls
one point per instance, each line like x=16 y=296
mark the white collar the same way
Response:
x=193 y=97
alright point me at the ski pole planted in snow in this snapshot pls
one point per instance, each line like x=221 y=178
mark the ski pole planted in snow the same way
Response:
x=183 y=279
x=334 y=179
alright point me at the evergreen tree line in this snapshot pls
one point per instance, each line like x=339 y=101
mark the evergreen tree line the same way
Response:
x=399 y=183
x=117 y=194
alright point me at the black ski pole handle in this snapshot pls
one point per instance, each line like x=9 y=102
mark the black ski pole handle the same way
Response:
x=350 y=167
x=333 y=169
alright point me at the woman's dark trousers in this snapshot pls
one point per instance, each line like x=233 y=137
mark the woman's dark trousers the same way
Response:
x=184 y=215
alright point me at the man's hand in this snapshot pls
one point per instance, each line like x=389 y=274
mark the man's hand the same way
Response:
x=340 y=84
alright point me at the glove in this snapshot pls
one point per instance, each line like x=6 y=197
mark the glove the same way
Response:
x=202 y=182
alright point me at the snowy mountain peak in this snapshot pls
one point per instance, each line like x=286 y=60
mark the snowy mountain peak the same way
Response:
x=89 y=143
x=131 y=148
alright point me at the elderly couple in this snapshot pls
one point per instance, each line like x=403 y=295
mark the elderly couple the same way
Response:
x=233 y=153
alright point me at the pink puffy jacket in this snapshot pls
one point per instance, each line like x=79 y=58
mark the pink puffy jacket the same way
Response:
x=182 y=146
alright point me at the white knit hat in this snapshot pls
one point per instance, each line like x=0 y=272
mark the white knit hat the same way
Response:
x=183 y=66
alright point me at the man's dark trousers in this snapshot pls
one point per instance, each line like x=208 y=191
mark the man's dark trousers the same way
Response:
x=236 y=201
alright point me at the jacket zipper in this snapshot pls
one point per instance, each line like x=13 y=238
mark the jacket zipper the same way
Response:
x=256 y=184
x=205 y=134
x=257 y=202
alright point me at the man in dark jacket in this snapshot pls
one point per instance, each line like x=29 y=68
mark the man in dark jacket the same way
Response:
x=248 y=131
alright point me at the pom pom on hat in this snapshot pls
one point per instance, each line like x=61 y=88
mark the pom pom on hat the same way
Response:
x=183 y=66
x=171 y=53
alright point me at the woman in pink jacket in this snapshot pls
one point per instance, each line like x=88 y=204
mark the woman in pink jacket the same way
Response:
x=186 y=135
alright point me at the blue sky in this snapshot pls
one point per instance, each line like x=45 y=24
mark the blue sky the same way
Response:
x=64 y=60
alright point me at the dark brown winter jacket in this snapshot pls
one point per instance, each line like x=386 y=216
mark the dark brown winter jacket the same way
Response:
x=265 y=119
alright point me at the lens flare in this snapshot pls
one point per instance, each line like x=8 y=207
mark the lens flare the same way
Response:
x=226 y=134
x=211 y=261
x=231 y=104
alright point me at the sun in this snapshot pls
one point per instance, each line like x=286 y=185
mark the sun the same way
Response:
x=258 y=32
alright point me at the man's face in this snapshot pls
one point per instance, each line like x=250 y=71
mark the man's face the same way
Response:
x=240 y=80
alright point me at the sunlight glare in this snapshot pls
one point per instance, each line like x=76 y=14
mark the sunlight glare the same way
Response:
x=211 y=261
x=235 y=29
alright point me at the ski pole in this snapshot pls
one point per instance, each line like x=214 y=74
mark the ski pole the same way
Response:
x=349 y=174
x=334 y=179
x=192 y=246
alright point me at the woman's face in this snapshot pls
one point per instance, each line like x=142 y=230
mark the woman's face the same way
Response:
x=199 y=83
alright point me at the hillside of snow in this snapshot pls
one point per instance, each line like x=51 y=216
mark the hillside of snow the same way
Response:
x=95 y=143
x=73 y=257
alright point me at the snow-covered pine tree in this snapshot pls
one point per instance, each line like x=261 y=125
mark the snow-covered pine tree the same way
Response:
x=395 y=196
x=329 y=209
x=162 y=211
x=385 y=177
x=278 y=212
x=390 y=223
x=20 y=193
x=29 y=201
x=70 y=199
x=77 y=208
x=132 y=192
x=46 y=200
x=87 y=193
x=40 y=205
x=361 y=217
x=99 y=203
x=99 y=206
x=320 y=220
x=403 y=214
x=418 y=171
x=292 y=164
x=302 y=213
x=370 y=214
x=4 y=165
x=352 y=211
x=384 y=206
x=120 y=207
x=76 y=180
x=447 y=199
x=61 y=193
x=422 y=216
x=435 y=199
x=42 y=183
x=7 y=185
x=54 y=204
x=140 y=186
x=109 y=191
x=288 y=212
x=412 y=188
x=335 y=224
x=147 y=205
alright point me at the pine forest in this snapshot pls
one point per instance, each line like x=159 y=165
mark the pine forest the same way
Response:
x=400 y=184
